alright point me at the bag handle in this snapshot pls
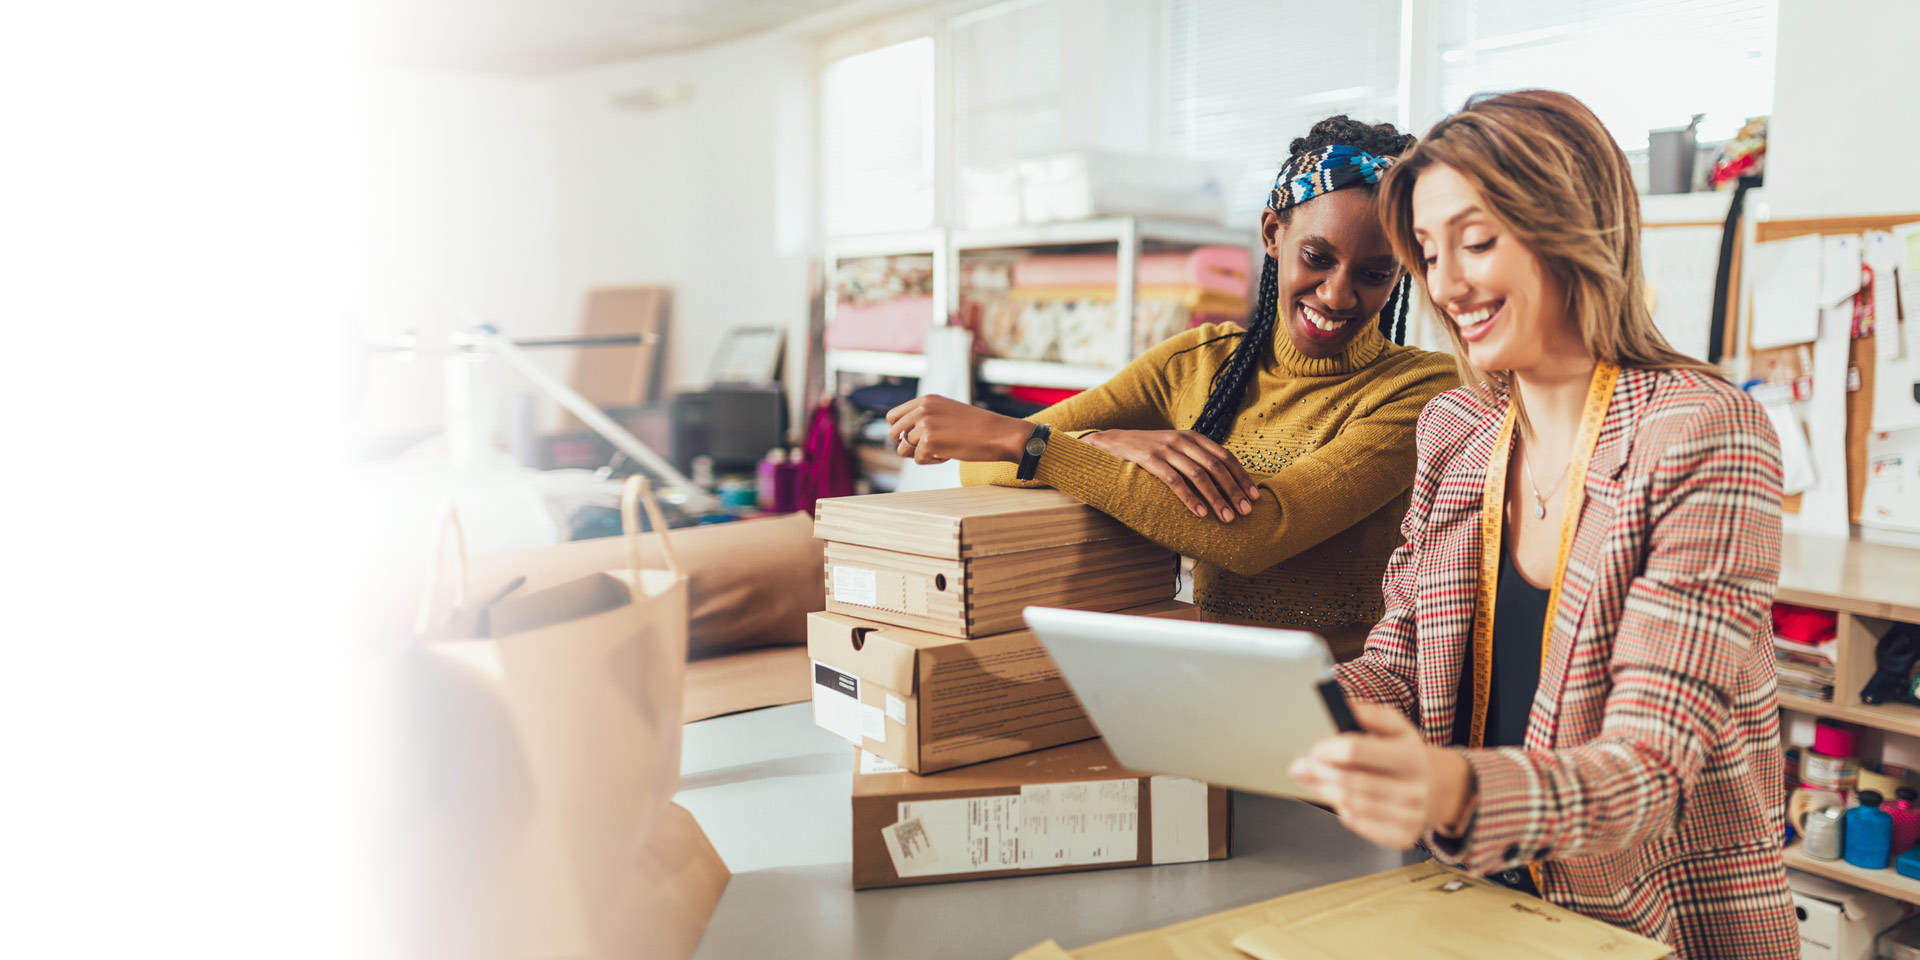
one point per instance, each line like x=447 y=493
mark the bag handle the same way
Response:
x=450 y=527
x=639 y=491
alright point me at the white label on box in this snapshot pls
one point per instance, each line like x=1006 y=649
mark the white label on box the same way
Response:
x=971 y=835
x=896 y=710
x=910 y=849
x=871 y=763
x=1179 y=811
x=855 y=585
x=873 y=723
x=1085 y=822
x=836 y=702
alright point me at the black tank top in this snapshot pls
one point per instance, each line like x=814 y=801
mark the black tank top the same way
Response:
x=1519 y=615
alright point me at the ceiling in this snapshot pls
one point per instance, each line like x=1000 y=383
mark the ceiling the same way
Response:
x=535 y=37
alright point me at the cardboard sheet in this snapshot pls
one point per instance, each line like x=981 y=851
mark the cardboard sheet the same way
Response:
x=748 y=680
x=1443 y=911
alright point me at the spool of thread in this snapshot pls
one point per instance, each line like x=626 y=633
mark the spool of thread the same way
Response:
x=1834 y=740
x=1869 y=833
x=1906 y=819
x=1821 y=772
x=1879 y=780
x=1806 y=800
x=1791 y=767
x=1825 y=832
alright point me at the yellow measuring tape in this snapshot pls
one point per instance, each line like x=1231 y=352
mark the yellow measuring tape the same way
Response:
x=1493 y=498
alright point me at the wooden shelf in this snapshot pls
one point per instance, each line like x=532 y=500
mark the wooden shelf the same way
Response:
x=1897 y=717
x=1885 y=882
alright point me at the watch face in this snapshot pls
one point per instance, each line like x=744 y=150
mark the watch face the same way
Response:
x=1036 y=446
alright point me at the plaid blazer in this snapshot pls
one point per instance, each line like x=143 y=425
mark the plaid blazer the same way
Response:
x=1649 y=787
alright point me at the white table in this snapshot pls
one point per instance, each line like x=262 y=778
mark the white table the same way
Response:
x=774 y=794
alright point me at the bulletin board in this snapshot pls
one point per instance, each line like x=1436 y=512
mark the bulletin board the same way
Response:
x=1860 y=354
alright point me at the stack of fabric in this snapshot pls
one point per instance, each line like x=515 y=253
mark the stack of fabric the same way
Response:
x=1803 y=650
x=1060 y=307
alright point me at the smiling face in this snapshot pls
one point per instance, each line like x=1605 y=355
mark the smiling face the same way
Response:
x=1336 y=269
x=1510 y=312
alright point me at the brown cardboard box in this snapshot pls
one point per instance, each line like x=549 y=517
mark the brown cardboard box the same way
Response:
x=928 y=702
x=965 y=562
x=1072 y=807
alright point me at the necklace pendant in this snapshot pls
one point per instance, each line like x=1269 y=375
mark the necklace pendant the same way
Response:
x=1539 y=509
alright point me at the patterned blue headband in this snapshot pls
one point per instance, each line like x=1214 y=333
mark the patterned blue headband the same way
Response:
x=1325 y=170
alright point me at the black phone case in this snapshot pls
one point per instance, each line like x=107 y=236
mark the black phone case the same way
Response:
x=1336 y=701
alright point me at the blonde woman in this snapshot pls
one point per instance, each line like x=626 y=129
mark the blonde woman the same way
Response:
x=1572 y=689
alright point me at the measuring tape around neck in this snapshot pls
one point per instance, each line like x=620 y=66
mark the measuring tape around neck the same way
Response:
x=1493 y=501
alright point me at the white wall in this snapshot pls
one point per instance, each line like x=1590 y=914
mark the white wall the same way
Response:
x=1845 y=130
x=711 y=196
x=458 y=174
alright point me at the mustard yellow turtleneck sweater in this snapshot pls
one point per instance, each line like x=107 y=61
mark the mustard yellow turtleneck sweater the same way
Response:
x=1330 y=441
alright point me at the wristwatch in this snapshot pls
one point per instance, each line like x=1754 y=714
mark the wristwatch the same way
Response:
x=1030 y=454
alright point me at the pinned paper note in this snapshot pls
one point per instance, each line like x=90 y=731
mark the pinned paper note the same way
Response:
x=1839 y=268
x=1796 y=460
x=1892 y=497
x=1680 y=265
x=1823 y=508
x=1895 y=260
x=1786 y=292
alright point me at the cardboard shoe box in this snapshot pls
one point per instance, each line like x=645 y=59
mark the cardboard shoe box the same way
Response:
x=1838 y=921
x=1069 y=808
x=928 y=702
x=965 y=562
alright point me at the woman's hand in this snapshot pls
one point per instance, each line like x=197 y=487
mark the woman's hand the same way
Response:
x=1387 y=784
x=1198 y=471
x=935 y=429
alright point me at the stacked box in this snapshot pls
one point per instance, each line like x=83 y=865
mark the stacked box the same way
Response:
x=964 y=563
x=1067 y=808
x=922 y=658
x=929 y=702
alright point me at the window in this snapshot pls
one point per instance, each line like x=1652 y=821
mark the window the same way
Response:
x=1245 y=77
x=876 y=121
x=1640 y=65
x=1006 y=83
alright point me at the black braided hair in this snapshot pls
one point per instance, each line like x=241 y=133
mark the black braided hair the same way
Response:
x=1229 y=386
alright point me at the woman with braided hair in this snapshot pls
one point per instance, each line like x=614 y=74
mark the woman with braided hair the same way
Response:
x=1279 y=454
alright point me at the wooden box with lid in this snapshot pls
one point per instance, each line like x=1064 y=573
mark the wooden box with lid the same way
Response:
x=965 y=562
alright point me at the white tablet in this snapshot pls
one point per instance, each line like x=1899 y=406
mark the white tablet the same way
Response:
x=1230 y=705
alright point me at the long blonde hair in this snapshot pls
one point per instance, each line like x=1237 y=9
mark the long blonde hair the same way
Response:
x=1552 y=176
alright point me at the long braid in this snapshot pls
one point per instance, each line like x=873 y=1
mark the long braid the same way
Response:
x=1393 y=316
x=1229 y=386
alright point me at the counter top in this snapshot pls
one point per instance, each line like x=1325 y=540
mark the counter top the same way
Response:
x=774 y=794
x=1869 y=579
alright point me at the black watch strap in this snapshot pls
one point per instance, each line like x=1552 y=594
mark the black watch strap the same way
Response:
x=1030 y=455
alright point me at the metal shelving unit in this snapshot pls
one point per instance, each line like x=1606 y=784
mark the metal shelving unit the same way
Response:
x=1128 y=235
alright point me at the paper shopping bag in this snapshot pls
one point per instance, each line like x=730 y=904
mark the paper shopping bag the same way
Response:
x=538 y=751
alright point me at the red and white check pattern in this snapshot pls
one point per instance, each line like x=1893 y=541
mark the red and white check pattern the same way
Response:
x=1648 y=788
